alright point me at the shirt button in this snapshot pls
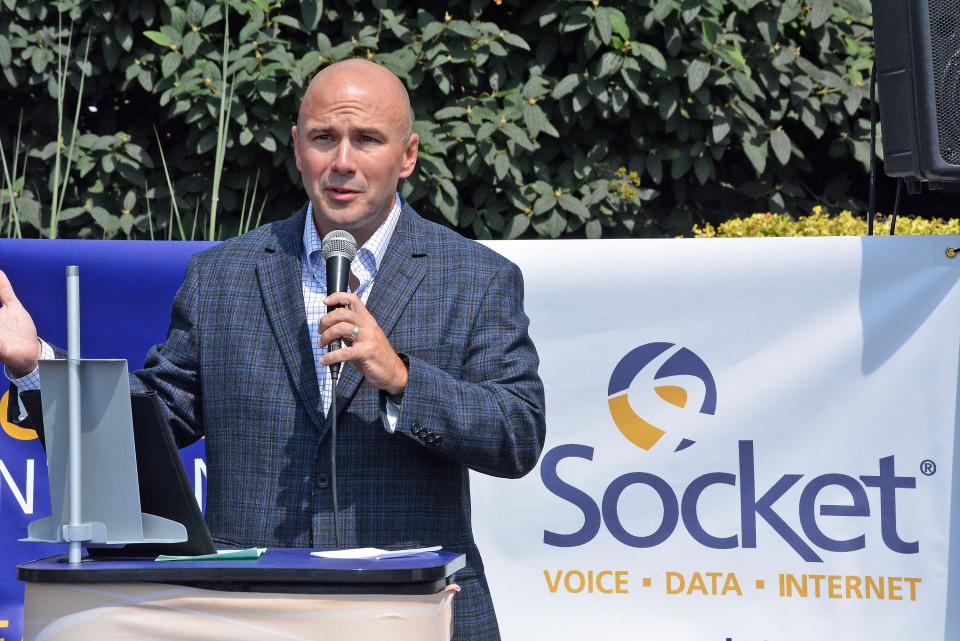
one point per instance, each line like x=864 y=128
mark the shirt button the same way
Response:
x=323 y=481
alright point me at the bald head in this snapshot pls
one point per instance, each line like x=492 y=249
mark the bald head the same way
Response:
x=361 y=76
x=353 y=142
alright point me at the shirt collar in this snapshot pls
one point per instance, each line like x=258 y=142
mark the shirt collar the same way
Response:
x=372 y=251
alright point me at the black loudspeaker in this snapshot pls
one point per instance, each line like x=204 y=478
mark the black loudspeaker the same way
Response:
x=918 y=66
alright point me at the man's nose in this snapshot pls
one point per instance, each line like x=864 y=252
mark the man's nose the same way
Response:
x=343 y=161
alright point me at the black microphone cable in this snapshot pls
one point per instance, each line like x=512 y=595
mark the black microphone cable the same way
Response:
x=339 y=248
x=334 y=377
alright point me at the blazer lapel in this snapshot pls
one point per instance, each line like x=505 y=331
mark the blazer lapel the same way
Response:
x=280 y=280
x=398 y=277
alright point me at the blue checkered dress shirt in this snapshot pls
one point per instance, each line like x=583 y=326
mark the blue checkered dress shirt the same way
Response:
x=314 y=271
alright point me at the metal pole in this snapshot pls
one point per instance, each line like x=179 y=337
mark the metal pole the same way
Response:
x=73 y=401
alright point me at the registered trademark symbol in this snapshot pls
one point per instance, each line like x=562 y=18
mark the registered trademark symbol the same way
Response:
x=928 y=467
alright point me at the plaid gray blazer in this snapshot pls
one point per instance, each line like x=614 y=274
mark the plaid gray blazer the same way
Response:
x=237 y=368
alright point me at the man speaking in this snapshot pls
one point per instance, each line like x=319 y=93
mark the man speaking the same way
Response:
x=439 y=376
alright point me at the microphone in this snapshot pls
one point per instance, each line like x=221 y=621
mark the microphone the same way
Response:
x=338 y=248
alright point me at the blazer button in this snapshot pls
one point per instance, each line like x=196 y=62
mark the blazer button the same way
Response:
x=431 y=438
x=323 y=481
x=415 y=428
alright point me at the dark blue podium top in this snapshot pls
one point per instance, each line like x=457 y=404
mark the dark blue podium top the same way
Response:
x=278 y=570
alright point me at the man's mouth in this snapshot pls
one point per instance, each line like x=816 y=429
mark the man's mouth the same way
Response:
x=341 y=193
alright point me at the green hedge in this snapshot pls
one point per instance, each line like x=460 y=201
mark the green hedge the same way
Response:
x=561 y=118
x=821 y=223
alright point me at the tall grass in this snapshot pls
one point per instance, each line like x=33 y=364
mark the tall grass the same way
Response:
x=13 y=185
x=226 y=98
x=58 y=192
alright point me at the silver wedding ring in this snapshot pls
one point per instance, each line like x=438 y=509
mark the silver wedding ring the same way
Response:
x=354 y=333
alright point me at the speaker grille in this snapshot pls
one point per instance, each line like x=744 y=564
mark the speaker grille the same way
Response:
x=945 y=43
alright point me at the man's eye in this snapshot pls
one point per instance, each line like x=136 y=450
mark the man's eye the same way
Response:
x=368 y=139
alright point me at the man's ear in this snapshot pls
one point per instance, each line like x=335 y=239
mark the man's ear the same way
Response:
x=410 y=156
x=296 y=146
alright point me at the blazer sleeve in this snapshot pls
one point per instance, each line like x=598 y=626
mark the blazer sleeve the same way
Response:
x=491 y=416
x=172 y=369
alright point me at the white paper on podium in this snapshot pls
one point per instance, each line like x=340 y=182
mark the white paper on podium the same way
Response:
x=373 y=553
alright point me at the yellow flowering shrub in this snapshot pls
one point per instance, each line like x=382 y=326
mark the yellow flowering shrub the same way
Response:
x=821 y=223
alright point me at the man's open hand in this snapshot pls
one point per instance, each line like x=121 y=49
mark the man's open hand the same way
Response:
x=367 y=347
x=19 y=347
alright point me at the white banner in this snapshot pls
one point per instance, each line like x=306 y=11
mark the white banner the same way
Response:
x=747 y=440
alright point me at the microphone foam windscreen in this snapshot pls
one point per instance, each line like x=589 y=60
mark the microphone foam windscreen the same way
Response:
x=338 y=243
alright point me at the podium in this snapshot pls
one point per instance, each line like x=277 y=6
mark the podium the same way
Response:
x=285 y=594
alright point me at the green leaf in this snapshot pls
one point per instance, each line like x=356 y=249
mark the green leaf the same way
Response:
x=619 y=24
x=594 y=229
x=126 y=223
x=756 y=153
x=655 y=169
x=449 y=112
x=789 y=11
x=516 y=134
x=514 y=40
x=108 y=222
x=601 y=19
x=544 y=203
x=178 y=20
x=267 y=90
x=709 y=29
x=780 y=142
x=5 y=53
x=533 y=119
x=610 y=63
x=246 y=137
x=501 y=165
x=191 y=42
x=124 y=34
x=268 y=143
x=767 y=26
x=497 y=49
x=516 y=226
x=463 y=28
x=38 y=59
x=575 y=19
x=552 y=226
x=212 y=15
x=662 y=9
x=158 y=38
x=431 y=31
x=288 y=21
x=146 y=79
x=669 y=100
x=207 y=142
x=565 y=86
x=195 y=13
x=703 y=169
x=170 y=63
x=697 y=73
x=310 y=13
x=822 y=10
x=592 y=42
x=721 y=127
x=574 y=206
x=651 y=54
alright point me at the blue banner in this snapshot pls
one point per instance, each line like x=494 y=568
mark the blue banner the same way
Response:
x=126 y=291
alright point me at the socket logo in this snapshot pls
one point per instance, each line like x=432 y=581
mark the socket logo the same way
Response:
x=632 y=376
